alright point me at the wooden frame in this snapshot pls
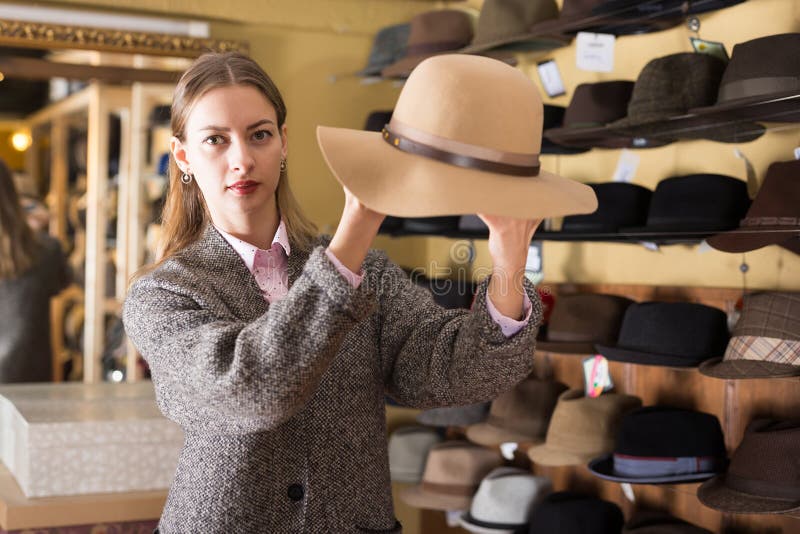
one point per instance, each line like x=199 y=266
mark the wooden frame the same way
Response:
x=50 y=36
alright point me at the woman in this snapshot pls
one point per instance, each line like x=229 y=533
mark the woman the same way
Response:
x=273 y=347
x=32 y=270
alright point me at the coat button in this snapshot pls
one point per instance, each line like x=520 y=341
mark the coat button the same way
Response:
x=295 y=492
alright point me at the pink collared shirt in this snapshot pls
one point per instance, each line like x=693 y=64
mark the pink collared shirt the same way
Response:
x=270 y=269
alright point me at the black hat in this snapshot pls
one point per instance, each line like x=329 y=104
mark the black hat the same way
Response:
x=646 y=521
x=664 y=445
x=448 y=293
x=697 y=204
x=619 y=204
x=431 y=225
x=565 y=512
x=554 y=118
x=673 y=334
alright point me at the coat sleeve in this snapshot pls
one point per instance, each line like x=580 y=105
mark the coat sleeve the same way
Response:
x=432 y=356
x=217 y=373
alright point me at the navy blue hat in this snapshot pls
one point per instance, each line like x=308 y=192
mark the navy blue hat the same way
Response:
x=566 y=512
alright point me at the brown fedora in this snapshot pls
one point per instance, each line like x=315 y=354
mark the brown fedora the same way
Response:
x=765 y=341
x=519 y=415
x=618 y=17
x=774 y=215
x=582 y=427
x=507 y=24
x=763 y=69
x=578 y=322
x=453 y=472
x=764 y=474
x=431 y=33
x=667 y=89
x=440 y=155
x=592 y=106
x=658 y=522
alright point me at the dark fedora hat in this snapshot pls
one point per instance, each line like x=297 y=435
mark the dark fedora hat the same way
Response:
x=765 y=341
x=669 y=87
x=578 y=322
x=620 y=205
x=431 y=225
x=472 y=224
x=767 y=68
x=664 y=445
x=774 y=216
x=618 y=17
x=673 y=334
x=431 y=33
x=388 y=46
x=507 y=24
x=764 y=474
x=695 y=203
x=658 y=522
x=567 y=512
x=376 y=120
x=592 y=106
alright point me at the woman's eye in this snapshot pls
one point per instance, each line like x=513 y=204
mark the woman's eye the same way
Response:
x=261 y=135
x=214 y=140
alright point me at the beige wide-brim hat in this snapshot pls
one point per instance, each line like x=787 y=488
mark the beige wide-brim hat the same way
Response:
x=464 y=138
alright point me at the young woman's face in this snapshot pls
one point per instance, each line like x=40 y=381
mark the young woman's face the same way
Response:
x=233 y=147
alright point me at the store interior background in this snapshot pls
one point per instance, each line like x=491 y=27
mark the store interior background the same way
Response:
x=311 y=48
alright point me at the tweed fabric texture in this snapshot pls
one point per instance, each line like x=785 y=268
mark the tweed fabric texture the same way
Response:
x=286 y=399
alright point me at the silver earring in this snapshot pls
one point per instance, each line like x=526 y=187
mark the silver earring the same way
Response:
x=283 y=165
x=186 y=178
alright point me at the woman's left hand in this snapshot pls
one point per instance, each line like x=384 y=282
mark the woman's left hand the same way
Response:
x=509 y=239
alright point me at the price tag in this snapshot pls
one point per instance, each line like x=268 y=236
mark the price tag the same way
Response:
x=596 y=376
x=626 y=166
x=627 y=489
x=797 y=153
x=752 y=180
x=452 y=517
x=595 y=51
x=507 y=450
x=551 y=78
x=649 y=245
x=704 y=247
x=533 y=264
x=712 y=48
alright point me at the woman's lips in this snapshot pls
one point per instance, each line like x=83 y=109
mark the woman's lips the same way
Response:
x=245 y=187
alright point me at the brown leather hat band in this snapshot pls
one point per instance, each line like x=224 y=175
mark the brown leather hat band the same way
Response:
x=449 y=489
x=758 y=86
x=414 y=141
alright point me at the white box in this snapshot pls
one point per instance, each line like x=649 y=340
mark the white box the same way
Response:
x=72 y=438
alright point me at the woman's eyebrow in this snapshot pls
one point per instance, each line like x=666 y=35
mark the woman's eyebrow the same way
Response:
x=226 y=129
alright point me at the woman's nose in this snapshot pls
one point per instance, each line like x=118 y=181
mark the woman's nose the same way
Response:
x=240 y=158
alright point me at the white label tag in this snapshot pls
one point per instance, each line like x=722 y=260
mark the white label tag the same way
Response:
x=627 y=489
x=551 y=78
x=797 y=153
x=452 y=517
x=704 y=247
x=596 y=377
x=533 y=264
x=626 y=166
x=595 y=52
x=507 y=450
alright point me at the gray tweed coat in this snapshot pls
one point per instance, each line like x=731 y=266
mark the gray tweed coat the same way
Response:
x=283 y=404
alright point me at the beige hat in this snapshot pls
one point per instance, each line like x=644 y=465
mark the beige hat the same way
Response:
x=519 y=415
x=582 y=427
x=464 y=138
x=408 y=449
x=453 y=472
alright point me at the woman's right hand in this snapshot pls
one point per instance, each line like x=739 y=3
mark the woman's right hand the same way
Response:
x=357 y=229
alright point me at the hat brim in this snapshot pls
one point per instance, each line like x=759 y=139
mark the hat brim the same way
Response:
x=685 y=126
x=716 y=494
x=599 y=137
x=417 y=497
x=577 y=348
x=548 y=456
x=745 y=240
x=621 y=354
x=466 y=522
x=603 y=467
x=550 y=148
x=523 y=42
x=742 y=369
x=394 y=182
x=488 y=435
x=779 y=111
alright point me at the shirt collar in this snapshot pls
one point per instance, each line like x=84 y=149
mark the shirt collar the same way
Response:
x=247 y=251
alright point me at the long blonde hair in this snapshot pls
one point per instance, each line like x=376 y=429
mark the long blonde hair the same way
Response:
x=185 y=214
x=18 y=244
